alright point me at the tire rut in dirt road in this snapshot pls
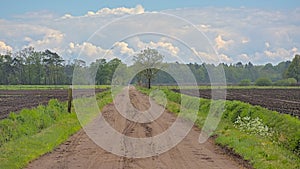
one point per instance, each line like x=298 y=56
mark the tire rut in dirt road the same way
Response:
x=81 y=152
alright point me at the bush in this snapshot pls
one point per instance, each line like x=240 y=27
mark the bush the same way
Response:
x=286 y=82
x=263 y=82
x=245 y=82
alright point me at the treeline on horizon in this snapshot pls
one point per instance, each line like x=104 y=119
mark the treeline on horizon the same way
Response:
x=31 y=67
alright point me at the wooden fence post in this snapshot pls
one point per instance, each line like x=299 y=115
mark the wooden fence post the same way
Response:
x=70 y=99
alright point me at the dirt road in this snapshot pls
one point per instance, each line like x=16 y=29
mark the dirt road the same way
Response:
x=81 y=152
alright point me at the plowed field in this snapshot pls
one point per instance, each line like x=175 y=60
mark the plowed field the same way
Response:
x=285 y=101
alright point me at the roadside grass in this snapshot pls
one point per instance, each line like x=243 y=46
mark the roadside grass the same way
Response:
x=281 y=149
x=34 y=132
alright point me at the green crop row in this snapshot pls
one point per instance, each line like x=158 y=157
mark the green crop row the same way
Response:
x=280 y=149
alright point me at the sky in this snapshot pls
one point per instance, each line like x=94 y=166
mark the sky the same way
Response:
x=192 y=31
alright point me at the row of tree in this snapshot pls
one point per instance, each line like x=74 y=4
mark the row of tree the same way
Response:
x=33 y=67
x=29 y=66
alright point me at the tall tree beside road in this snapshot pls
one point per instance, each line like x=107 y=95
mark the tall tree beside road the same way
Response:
x=149 y=60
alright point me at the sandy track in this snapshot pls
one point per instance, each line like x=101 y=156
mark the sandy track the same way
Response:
x=81 y=152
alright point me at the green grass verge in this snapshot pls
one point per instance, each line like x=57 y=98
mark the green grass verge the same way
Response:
x=34 y=132
x=18 y=153
x=281 y=150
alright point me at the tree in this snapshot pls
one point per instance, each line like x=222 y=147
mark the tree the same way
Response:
x=5 y=68
x=293 y=70
x=53 y=63
x=149 y=60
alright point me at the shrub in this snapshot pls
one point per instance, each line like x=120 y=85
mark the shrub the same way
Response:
x=263 y=82
x=245 y=82
x=286 y=82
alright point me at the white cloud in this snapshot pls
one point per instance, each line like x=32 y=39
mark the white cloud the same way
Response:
x=245 y=40
x=244 y=57
x=205 y=57
x=280 y=53
x=221 y=43
x=67 y=16
x=224 y=58
x=165 y=45
x=27 y=39
x=120 y=11
x=203 y=26
x=276 y=54
x=89 y=52
x=51 y=39
x=162 y=43
x=241 y=33
x=123 y=48
x=4 y=48
x=267 y=44
x=139 y=9
x=294 y=50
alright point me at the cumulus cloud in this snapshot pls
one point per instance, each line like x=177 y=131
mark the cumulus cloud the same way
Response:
x=244 y=57
x=139 y=9
x=267 y=44
x=51 y=39
x=221 y=43
x=280 y=53
x=123 y=48
x=245 y=40
x=88 y=51
x=120 y=11
x=163 y=44
x=206 y=57
x=224 y=58
x=25 y=34
x=67 y=16
x=4 y=48
x=203 y=26
x=274 y=54
x=248 y=34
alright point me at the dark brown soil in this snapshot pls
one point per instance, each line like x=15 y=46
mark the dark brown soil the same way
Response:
x=285 y=101
x=15 y=100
